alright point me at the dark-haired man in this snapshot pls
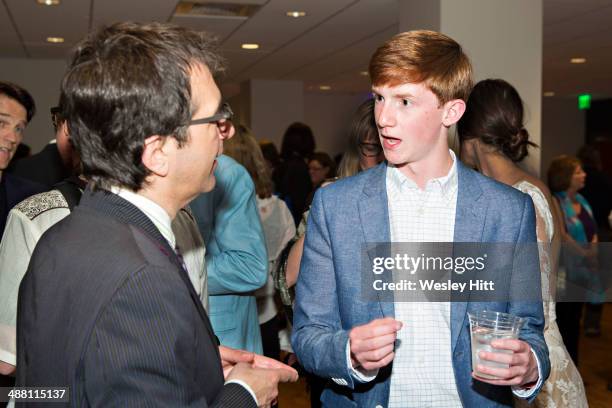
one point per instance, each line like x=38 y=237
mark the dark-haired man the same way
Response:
x=17 y=108
x=106 y=307
x=54 y=163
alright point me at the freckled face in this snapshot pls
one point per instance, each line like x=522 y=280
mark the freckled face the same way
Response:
x=409 y=120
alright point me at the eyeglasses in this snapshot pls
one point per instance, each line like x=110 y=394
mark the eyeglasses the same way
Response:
x=370 y=149
x=56 y=117
x=225 y=113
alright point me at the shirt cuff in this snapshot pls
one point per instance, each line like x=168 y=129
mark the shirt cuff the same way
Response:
x=360 y=375
x=526 y=393
x=8 y=357
x=246 y=386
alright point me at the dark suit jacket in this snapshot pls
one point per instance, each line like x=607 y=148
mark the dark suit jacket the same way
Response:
x=106 y=309
x=45 y=167
x=13 y=190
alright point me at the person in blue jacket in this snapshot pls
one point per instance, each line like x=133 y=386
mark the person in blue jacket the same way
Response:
x=236 y=257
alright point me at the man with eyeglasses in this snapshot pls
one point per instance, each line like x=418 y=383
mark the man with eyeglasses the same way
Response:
x=55 y=162
x=106 y=307
x=29 y=219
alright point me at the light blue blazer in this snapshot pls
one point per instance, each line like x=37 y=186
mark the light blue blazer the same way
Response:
x=236 y=257
x=329 y=302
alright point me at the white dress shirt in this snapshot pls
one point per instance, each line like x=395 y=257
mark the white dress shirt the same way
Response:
x=423 y=373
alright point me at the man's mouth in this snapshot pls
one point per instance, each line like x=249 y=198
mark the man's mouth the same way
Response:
x=6 y=150
x=390 y=142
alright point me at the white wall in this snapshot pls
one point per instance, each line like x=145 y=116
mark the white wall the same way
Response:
x=503 y=38
x=329 y=116
x=563 y=129
x=41 y=77
x=274 y=105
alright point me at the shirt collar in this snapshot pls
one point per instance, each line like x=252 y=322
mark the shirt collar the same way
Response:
x=158 y=216
x=448 y=184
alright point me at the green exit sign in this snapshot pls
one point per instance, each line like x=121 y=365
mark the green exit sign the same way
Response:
x=584 y=101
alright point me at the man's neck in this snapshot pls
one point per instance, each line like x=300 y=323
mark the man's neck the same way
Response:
x=435 y=165
x=162 y=200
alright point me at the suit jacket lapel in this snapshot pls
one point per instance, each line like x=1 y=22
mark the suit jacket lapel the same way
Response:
x=374 y=216
x=124 y=211
x=470 y=219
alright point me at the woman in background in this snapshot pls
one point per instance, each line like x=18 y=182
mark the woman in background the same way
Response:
x=364 y=150
x=565 y=178
x=321 y=167
x=278 y=228
x=493 y=139
x=322 y=170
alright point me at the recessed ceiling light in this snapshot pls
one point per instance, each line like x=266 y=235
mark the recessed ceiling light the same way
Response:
x=578 y=60
x=296 y=14
x=55 y=40
x=364 y=73
x=325 y=87
x=250 y=46
x=48 y=2
x=549 y=93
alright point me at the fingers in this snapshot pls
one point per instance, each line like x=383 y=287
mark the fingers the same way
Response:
x=372 y=344
x=286 y=375
x=375 y=328
x=510 y=344
x=519 y=358
x=232 y=355
x=521 y=367
x=260 y=361
x=504 y=376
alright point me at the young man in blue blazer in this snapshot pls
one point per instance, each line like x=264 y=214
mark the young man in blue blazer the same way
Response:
x=408 y=354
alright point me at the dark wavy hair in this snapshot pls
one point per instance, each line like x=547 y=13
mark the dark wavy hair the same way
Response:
x=21 y=96
x=494 y=114
x=298 y=139
x=126 y=82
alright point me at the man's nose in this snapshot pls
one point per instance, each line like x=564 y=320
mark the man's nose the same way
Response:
x=386 y=115
x=11 y=135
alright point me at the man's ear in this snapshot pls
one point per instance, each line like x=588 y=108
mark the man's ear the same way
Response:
x=155 y=155
x=453 y=110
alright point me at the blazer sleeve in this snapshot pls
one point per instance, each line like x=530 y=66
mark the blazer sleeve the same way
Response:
x=236 y=257
x=143 y=349
x=318 y=338
x=526 y=272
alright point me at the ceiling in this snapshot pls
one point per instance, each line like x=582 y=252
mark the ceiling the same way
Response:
x=331 y=45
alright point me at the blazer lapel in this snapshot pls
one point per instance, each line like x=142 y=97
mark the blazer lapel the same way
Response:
x=374 y=216
x=470 y=219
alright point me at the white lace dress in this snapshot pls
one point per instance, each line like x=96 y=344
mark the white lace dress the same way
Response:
x=564 y=387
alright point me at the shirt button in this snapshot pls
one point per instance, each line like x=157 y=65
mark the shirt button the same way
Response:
x=379 y=406
x=421 y=211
